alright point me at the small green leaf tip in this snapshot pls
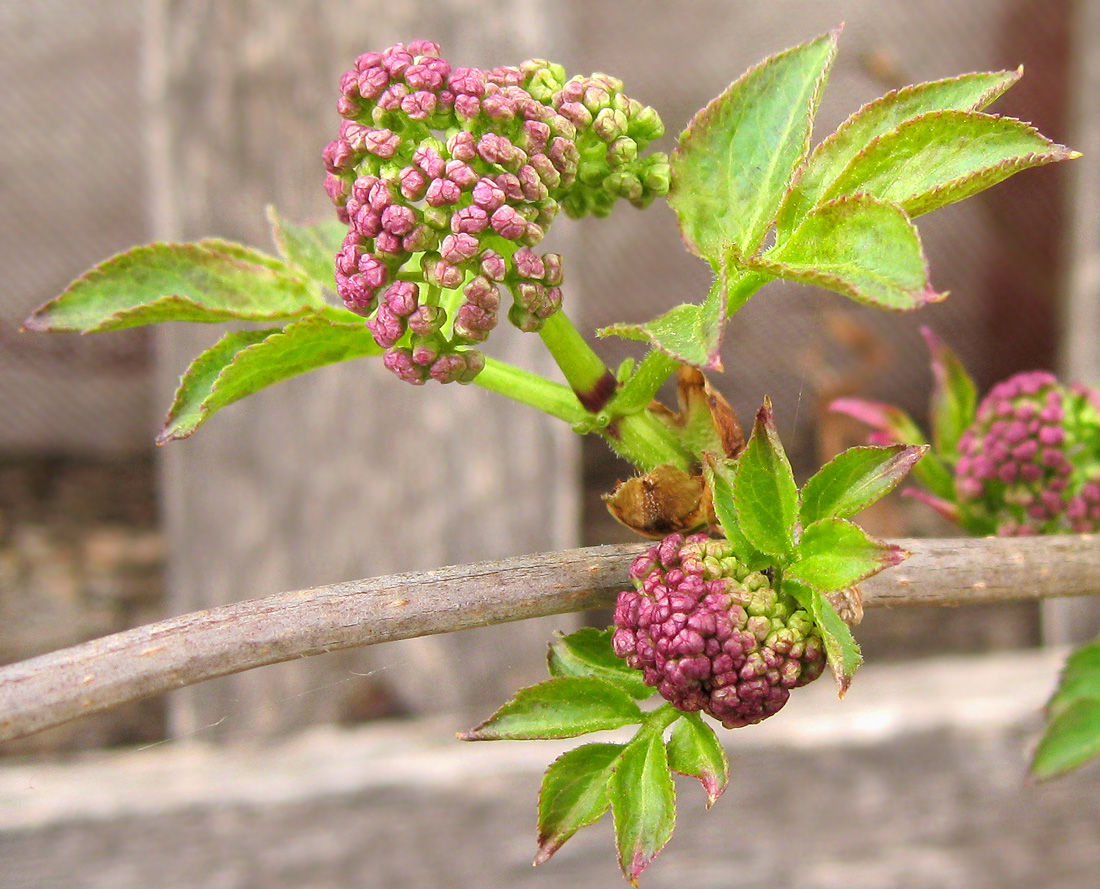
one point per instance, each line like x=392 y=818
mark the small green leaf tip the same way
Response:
x=734 y=161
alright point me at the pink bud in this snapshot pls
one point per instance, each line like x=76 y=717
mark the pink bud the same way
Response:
x=457 y=248
x=470 y=220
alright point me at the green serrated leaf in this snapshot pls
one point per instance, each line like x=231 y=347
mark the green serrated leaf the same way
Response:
x=574 y=794
x=244 y=362
x=719 y=473
x=559 y=708
x=311 y=248
x=1071 y=739
x=643 y=802
x=892 y=424
x=735 y=159
x=765 y=496
x=941 y=157
x=835 y=554
x=968 y=92
x=954 y=397
x=588 y=652
x=855 y=479
x=1072 y=735
x=1080 y=679
x=694 y=750
x=859 y=246
x=206 y=281
x=841 y=648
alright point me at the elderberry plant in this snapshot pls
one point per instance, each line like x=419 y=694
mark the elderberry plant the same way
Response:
x=445 y=181
x=1022 y=461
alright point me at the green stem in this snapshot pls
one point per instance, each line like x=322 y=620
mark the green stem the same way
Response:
x=584 y=370
x=531 y=389
x=742 y=286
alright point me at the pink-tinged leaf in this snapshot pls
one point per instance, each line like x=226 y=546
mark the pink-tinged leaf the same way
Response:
x=243 y=362
x=942 y=157
x=855 y=479
x=694 y=750
x=954 y=397
x=857 y=245
x=736 y=157
x=968 y=92
x=206 y=281
x=559 y=708
x=765 y=495
x=573 y=794
x=894 y=425
x=835 y=554
x=945 y=508
x=643 y=802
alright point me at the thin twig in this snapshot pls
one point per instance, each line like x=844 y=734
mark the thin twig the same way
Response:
x=49 y=690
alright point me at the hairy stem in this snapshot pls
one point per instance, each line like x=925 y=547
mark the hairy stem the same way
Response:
x=584 y=370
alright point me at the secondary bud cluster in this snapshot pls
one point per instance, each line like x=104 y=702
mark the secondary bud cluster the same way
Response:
x=1030 y=463
x=711 y=635
x=448 y=178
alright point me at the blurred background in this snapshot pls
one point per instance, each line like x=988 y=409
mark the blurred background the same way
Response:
x=134 y=120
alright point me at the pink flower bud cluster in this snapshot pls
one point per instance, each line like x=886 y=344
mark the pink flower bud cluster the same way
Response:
x=1030 y=463
x=448 y=177
x=710 y=635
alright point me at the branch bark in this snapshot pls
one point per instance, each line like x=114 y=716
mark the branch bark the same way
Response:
x=54 y=688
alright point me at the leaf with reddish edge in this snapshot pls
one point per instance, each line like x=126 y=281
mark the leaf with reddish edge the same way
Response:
x=559 y=708
x=574 y=794
x=865 y=248
x=243 y=362
x=764 y=492
x=694 y=750
x=588 y=652
x=643 y=802
x=835 y=554
x=841 y=649
x=735 y=159
x=855 y=479
x=942 y=157
x=206 y=281
x=312 y=248
x=954 y=397
x=967 y=92
x=892 y=425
